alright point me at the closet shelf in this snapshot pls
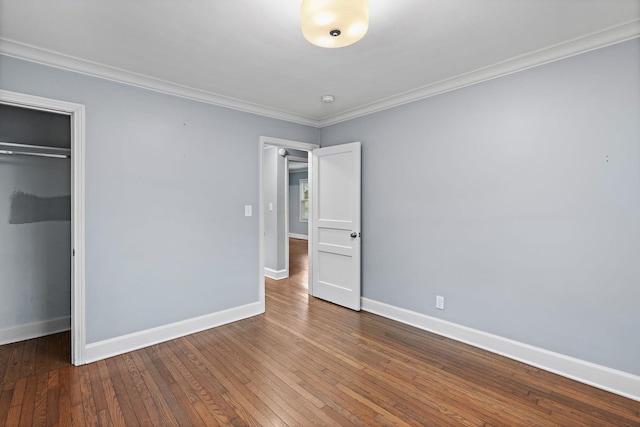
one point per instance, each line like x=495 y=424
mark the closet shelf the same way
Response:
x=13 y=148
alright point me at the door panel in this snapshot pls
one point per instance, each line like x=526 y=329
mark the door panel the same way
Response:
x=336 y=224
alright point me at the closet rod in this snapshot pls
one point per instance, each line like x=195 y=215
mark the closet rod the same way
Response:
x=27 y=153
x=23 y=149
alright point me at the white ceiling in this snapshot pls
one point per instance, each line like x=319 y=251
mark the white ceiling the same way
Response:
x=250 y=55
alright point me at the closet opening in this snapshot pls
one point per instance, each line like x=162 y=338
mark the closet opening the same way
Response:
x=35 y=223
x=41 y=220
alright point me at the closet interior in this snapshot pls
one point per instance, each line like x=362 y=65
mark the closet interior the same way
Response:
x=35 y=223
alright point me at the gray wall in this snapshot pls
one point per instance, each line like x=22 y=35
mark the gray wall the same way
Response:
x=295 y=225
x=518 y=200
x=274 y=220
x=166 y=236
x=35 y=263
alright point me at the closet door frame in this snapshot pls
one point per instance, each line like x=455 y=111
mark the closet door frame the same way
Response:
x=76 y=112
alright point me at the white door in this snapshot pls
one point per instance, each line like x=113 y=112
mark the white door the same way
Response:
x=335 y=251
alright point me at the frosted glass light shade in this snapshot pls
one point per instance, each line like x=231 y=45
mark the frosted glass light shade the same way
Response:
x=334 y=23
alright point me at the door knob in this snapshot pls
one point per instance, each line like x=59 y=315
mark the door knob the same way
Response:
x=354 y=235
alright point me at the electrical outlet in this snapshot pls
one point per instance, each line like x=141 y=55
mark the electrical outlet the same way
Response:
x=440 y=302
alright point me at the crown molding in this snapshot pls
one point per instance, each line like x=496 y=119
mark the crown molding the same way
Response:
x=609 y=36
x=66 y=62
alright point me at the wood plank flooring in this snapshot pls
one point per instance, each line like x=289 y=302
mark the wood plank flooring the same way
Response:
x=305 y=362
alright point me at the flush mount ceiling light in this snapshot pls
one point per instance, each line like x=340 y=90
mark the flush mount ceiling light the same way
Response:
x=334 y=23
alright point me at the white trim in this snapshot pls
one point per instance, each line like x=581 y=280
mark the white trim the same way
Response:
x=597 y=40
x=299 y=236
x=78 y=65
x=78 y=310
x=276 y=274
x=608 y=36
x=137 y=340
x=615 y=381
x=34 y=330
x=77 y=114
x=310 y=223
x=286 y=143
x=285 y=232
x=298 y=159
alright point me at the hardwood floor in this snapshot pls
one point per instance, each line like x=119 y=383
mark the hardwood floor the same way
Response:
x=304 y=362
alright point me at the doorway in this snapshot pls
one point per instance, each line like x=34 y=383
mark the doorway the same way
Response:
x=76 y=117
x=334 y=220
x=268 y=204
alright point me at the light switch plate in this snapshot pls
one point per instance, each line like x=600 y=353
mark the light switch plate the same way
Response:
x=247 y=210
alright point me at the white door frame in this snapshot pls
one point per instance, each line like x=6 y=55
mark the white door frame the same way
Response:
x=284 y=143
x=76 y=112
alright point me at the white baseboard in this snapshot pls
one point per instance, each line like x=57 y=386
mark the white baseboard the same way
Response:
x=615 y=381
x=299 y=236
x=115 y=346
x=34 y=330
x=276 y=274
